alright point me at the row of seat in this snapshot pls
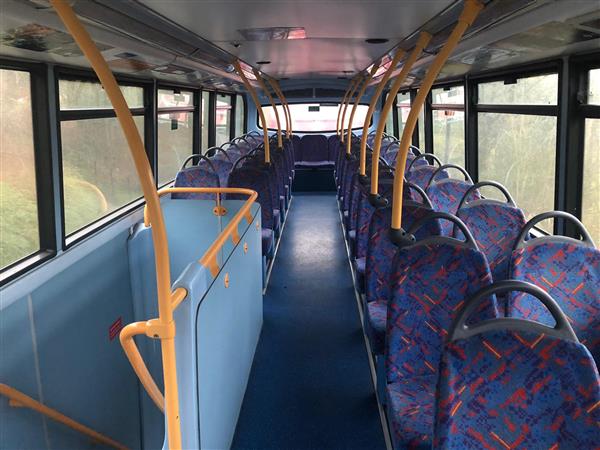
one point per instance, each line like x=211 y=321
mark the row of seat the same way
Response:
x=414 y=289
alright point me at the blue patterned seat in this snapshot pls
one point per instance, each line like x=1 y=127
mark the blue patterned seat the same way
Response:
x=196 y=176
x=517 y=384
x=421 y=175
x=569 y=270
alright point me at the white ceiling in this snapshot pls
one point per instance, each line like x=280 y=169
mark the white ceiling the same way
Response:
x=335 y=35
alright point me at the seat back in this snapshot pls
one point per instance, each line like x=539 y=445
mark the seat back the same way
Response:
x=430 y=280
x=512 y=383
x=252 y=178
x=196 y=176
x=381 y=250
x=566 y=268
x=313 y=147
x=495 y=226
x=333 y=147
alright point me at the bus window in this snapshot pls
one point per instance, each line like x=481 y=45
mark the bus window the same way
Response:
x=223 y=119
x=590 y=203
x=204 y=120
x=240 y=118
x=315 y=117
x=175 y=131
x=593 y=97
x=449 y=124
x=98 y=174
x=19 y=229
x=517 y=149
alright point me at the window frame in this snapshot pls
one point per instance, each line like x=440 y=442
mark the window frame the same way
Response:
x=44 y=169
x=430 y=107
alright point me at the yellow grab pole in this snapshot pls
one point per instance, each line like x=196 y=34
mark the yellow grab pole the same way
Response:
x=350 y=95
x=340 y=125
x=261 y=114
x=374 y=100
x=165 y=327
x=468 y=15
x=279 y=95
x=263 y=86
x=361 y=92
x=423 y=40
x=287 y=108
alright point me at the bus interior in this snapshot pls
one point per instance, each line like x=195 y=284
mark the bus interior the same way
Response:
x=335 y=224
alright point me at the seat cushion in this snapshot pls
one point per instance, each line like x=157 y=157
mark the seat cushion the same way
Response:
x=268 y=241
x=411 y=412
x=314 y=164
x=376 y=323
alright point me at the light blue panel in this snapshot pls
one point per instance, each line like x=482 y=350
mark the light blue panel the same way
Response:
x=19 y=427
x=84 y=374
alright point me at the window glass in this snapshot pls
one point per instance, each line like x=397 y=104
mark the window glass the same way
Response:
x=519 y=151
x=204 y=117
x=99 y=176
x=389 y=123
x=223 y=119
x=403 y=105
x=19 y=230
x=594 y=87
x=169 y=98
x=314 y=117
x=538 y=90
x=421 y=126
x=449 y=136
x=91 y=95
x=175 y=143
x=590 y=211
x=240 y=119
x=454 y=95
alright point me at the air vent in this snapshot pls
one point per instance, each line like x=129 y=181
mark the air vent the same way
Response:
x=299 y=93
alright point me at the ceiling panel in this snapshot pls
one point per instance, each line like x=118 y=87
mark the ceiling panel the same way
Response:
x=335 y=29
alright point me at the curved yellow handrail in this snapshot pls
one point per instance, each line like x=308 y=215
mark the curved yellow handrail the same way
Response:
x=339 y=126
x=159 y=235
x=18 y=399
x=359 y=95
x=348 y=100
x=468 y=15
x=263 y=86
x=286 y=106
x=261 y=113
x=374 y=100
x=282 y=101
x=423 y=40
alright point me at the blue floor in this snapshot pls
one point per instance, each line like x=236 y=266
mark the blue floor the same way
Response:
x=310 y=386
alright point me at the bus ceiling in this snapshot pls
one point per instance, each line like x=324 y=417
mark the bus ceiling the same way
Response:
x=195 y=43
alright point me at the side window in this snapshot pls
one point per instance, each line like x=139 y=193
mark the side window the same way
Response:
x=590 y=207
x=223 y=119
x=98 y=174
x=449 y=124
x=240 y=118
x=19 y=227
x=205 y=120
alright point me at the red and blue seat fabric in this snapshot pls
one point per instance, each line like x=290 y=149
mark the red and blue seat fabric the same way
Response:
x=313 y=151
x=512 y=383
x=495 y=225
x=430 y=280
x=197 y=176
x=420 y=174
x=379 y=262
x=446 y=193
x=252 y=178
x=569 y=270
x=256 y=161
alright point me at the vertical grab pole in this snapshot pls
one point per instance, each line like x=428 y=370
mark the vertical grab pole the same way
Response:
x=165 y=326
x=363 y=141
x=359 y=80
x=468 y=15
x=341 y=107
x=361 y=92
x=263 y=86
x=279 y=95
x=287 y=107
x=423 y=40
x=261 y=114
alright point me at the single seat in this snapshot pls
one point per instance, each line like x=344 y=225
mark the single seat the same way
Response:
x=378 y=265
x=197 y=176
x=314 y=151
x=430 y=280
x=566 y=268
x=333 y=148
x=445 y=194
x=512 y=383
x=495 y=225
x=420 y=174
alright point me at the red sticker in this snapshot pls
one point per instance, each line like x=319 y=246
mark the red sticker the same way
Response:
x=115 y=328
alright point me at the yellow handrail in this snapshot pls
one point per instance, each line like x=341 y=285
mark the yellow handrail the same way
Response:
x=374 y=100
x=18 y=399
x=282 y=101
x=166 y=330
x=423 y=40
x=350 y=95
x=270 y=97
x=261 y=113
x=470 y=11
x=361 y=92
x=339 y=126
x=286 y=106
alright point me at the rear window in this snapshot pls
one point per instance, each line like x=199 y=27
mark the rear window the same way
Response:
x=314 y=117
